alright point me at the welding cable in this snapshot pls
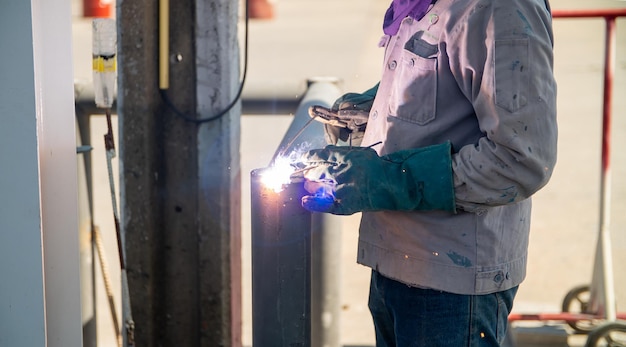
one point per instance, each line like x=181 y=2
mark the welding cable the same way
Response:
x=191 y=118
x=291 y=141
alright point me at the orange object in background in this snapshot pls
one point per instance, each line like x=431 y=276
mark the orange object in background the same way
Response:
x=260 y=9
x=98 y=8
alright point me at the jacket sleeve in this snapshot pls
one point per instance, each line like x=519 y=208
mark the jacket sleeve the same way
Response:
x=505 y=68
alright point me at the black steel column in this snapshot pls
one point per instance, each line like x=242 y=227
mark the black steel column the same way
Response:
x=281 y=271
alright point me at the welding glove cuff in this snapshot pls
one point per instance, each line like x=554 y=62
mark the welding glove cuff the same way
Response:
x=355 y=102
x=349 y=180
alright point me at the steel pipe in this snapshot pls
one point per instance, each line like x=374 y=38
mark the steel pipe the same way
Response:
x=302 y=134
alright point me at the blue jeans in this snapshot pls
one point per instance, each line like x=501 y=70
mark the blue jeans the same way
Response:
x=406 y=316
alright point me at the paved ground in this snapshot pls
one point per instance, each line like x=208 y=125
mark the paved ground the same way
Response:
x=339 y=38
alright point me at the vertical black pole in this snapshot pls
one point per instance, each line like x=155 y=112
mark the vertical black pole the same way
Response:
x=281 y=268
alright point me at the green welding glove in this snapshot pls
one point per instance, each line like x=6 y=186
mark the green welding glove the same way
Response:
x=344 y=180
x=347 y=118
x=356 y=101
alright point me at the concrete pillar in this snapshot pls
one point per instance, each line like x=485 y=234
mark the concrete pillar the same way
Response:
x=39 y=260
x=180 y=179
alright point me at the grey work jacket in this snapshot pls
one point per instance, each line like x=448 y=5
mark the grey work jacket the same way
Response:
x=477 y=73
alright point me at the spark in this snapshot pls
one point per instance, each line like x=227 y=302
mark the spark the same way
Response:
x=278 y=175
x=284 y=167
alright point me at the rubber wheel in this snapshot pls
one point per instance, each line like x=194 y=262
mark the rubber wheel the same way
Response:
x=611 y=334
x=577 y=301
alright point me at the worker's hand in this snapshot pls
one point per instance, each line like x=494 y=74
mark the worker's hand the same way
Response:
x=344 y=180
x=347 y=118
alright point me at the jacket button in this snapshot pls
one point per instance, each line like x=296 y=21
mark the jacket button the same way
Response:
x=392 y=65
x=375 y=115
x=433 y=19
x=412 y=62
x=498 y=278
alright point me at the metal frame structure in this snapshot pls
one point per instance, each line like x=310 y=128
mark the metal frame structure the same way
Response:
x=601 y=301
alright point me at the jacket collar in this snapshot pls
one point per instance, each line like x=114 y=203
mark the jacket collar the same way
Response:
x=400 y=9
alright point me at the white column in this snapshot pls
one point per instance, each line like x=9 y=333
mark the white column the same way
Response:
x=39 y=267
x=22 y=312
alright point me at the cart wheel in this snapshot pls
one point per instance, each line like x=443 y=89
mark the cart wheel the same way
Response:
x=610 y=334
x=577 y=301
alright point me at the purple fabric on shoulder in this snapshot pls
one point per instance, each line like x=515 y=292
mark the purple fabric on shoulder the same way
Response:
x=399 y=9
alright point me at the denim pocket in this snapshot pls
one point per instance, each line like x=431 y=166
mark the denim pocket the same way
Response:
x=505 y=304
x=512 y=73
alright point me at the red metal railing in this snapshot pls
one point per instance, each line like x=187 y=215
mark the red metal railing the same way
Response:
x=609 y=16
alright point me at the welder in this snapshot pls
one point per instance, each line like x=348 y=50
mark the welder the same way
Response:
x=442 y=158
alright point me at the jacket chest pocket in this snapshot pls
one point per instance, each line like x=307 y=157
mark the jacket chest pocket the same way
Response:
x=413 y=95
